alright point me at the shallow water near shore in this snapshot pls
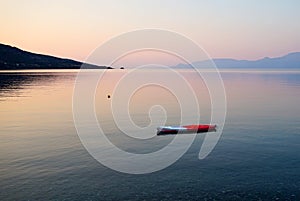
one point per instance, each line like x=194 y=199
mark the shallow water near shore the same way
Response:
x=256 y=158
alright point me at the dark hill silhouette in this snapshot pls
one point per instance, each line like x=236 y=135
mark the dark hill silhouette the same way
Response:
x=12 y=58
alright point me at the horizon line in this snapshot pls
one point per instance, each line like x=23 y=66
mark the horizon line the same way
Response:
x=212 y=58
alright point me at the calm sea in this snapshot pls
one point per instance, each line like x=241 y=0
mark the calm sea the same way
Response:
x=256 y=158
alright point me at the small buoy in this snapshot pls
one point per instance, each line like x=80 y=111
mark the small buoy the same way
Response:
x=108 y=96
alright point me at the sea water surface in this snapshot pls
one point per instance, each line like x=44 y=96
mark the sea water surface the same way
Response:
x=257 y=157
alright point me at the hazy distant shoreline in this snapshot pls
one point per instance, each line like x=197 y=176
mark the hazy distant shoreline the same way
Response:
x=12 y=58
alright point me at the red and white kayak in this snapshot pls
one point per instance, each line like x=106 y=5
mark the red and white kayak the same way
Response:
x=198 y=128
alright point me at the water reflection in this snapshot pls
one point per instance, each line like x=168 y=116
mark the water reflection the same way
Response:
x=290 y=78
x=257 y=157
x=13 y=84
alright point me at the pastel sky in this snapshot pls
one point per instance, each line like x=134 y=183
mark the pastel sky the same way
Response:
x=238 y=29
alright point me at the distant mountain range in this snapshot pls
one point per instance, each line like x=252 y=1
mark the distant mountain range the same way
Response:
x=289 y=61
x=12 y=58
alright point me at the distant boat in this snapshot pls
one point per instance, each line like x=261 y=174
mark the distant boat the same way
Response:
x=198 y=128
